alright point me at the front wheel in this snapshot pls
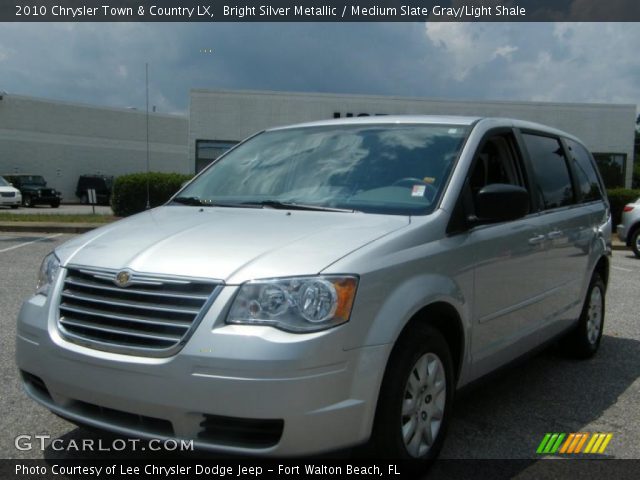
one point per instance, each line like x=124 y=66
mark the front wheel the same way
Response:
x=26 y=201
x=416 y=397
x=584 y=340
x=55 y=204
x=635 y=242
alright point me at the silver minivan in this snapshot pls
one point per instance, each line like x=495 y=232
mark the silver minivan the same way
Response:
x=326 y=285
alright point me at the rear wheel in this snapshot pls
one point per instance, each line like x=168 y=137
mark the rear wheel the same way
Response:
x=14 y=206
x=84 y=199
x=55 y=204
x=416 y=397
x=635 y=242
x=584 y=340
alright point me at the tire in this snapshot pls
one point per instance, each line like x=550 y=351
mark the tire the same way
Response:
x=414 y=406
x=584 y=340
x=26 y=201
x=55 y=204
x=14 y=207
x=84 y=199
x=635 y=242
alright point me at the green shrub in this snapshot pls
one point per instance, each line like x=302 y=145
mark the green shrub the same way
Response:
x=129 y=194
x=618 y=198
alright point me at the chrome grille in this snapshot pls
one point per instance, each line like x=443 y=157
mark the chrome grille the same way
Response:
x=8 y=194
x=153 y=315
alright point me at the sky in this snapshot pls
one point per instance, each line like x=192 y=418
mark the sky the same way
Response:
x=104 y=63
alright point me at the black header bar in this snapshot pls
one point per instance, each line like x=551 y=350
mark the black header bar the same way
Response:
x=320 y=11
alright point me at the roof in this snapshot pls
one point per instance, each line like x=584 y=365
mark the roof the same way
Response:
x=431 y=120
x=389 y=119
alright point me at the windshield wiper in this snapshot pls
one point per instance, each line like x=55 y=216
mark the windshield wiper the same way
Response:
x=189 y=201
x=196 y=201
x=277 y=204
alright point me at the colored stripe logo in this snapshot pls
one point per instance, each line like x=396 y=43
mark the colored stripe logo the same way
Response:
x=573 y=443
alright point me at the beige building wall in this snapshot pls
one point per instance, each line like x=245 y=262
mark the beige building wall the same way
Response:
x=62 y=141
x=233 y=115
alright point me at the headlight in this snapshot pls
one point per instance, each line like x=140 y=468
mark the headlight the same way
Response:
x=301 y=304
x=48 y=272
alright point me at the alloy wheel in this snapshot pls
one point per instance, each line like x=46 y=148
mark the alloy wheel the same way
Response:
x=594 y=315
x=423 y=404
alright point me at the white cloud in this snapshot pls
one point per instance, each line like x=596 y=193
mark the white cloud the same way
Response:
x=469 y=45
x=505 y=51
x=591 y=62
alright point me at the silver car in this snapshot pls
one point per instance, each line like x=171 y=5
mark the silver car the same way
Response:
x=629 y=229
x=325 y=285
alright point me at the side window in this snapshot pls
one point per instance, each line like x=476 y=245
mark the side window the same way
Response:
x=497 y=161
x=550 y=170
x=585 y=173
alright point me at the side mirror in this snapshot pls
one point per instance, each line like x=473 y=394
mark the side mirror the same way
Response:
x=501 y=202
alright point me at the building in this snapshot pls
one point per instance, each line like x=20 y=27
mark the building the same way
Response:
x=219 y=119
x=62 y=140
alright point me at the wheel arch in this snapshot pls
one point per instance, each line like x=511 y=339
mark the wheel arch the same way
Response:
x=602 y=269
x=445 y=318
x=632 y=230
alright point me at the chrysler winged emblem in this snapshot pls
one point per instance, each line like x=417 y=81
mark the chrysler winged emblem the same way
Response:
x=123 y=278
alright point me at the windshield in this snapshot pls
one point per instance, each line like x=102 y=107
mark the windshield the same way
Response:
x=3 y=182
x=395 y=169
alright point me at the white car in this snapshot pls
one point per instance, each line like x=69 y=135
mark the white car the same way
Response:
x=9 y=196
x=629 y=228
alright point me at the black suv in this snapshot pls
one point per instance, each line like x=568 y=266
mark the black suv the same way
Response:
x=34 y=190
x=102 y=184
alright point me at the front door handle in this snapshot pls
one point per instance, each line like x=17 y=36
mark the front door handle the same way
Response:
x=554 y=235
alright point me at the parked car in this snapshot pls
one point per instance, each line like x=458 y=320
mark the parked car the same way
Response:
x=325 y=285
x=102 y=184
x=9 y=195
x=629 y=229
x=34 y=190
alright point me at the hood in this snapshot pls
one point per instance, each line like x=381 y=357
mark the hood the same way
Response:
x=230 y=244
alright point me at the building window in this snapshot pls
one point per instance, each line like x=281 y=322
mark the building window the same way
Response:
x=612 y=167
x=208 y=150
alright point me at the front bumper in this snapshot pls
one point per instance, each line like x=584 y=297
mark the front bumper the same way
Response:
x=10 y=201
x=45 y=199
x=306 y=390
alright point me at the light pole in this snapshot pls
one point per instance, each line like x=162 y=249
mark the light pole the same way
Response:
x=146 y=71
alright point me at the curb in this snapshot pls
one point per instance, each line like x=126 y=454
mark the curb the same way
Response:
x=46 y=227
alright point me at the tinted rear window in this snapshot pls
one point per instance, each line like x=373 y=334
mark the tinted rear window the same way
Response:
x=550 y=168
x=585 y=173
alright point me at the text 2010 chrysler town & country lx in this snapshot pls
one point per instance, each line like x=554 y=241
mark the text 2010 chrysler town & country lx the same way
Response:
x=325 y=284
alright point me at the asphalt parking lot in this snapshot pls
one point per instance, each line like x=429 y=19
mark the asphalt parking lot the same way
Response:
x=504 y=417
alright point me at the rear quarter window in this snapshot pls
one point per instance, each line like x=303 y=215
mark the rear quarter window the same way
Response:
x=550 y=170
x=585 y=172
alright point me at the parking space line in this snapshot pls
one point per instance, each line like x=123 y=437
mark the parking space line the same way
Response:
x=623 y=269
x=20 y=245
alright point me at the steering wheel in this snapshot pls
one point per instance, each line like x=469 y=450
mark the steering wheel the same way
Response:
x=409 y=182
